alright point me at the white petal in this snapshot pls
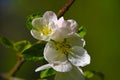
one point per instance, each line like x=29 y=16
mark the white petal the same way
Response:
x=52 y=26
x=79 y=56
x=37 y=22
x=60 y=22
x=73 y=25
x=37 y=35
x=58 y=35
x=66 y=28
x=75 y=40
x=74 y=74
x=51 y=54
x=57 y=60
x=66 y=24
x=62 y=66
x=62 y=32
x=50 y=16
x=43 y=67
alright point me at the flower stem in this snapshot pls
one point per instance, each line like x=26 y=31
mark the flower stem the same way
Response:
x=65 y=8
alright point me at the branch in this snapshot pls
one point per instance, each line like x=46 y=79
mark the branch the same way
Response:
x=65 y=8
x=16 y=67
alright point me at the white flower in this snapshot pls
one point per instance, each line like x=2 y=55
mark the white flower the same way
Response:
x=45 y=26
x=64 y=49
x=75 y=74
x=48 y=26
x=63 y=55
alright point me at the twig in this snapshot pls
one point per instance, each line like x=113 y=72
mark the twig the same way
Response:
x=62 y=11
x=16 y=67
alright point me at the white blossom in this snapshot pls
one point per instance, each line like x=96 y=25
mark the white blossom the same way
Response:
x=45 y=26
x=64 y=50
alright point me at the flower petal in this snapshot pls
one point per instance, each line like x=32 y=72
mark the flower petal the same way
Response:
x=37 y=35
x=62 y=66
x=37 y=22
x=58 y=35
x=60 y=22
x=57 y=60
x=79 y=56
x=51 y=54
x=50 y=16
x=73 y=25
x=43 y=67
x=74 y=74
x=75 y=40
x=62 y=32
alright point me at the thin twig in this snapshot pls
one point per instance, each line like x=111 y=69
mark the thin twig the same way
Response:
x=16 y=67
x=65 y=8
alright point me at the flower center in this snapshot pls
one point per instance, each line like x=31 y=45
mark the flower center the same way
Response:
x=46 y=30
x=62 y=47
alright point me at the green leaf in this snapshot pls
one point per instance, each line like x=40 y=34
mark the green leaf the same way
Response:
x=6 y=42
x=35 y=52
x=82 y=31
x=47 y=73
x=30 y=18
x=88 y=74
x=22 y=45
x=92 y=74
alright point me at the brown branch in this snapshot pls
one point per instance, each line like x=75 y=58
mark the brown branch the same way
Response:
x=16 y=67
x=65 y=8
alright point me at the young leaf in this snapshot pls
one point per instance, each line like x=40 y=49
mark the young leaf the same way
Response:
x=47 y=73
x=92 y=74
x=82 y=31
x=35 y=52
x=30 y=18
x=6 y=42
x=88 y=74
x=22 y=45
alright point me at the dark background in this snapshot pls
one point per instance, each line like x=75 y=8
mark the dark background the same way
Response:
x=100 y=17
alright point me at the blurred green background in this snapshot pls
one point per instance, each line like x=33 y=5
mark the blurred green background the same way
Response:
x=100 y=17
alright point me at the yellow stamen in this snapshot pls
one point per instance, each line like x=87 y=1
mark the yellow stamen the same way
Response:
x=46 y=31
x=62 y=47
